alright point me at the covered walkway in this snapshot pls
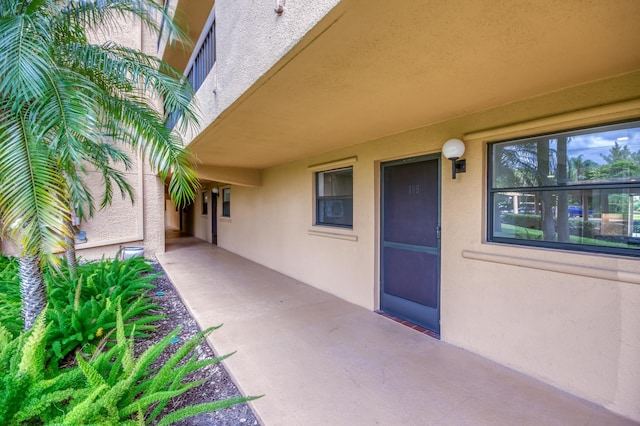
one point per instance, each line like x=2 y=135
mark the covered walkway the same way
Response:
x=322 y=361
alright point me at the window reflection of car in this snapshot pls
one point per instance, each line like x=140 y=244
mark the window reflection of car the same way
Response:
x=576 y=211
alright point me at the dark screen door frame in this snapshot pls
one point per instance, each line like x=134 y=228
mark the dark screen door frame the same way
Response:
x=394 y=253
x=214 y=218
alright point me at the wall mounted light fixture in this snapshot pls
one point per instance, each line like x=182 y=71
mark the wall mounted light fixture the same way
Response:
x=453 y=150
x=280 y=6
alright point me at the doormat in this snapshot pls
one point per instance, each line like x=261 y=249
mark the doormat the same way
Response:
x=410 y=325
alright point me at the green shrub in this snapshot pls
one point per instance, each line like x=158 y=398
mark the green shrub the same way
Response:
x=577 y=227
x=530 y=221
x=10 y=303
x=580 y=228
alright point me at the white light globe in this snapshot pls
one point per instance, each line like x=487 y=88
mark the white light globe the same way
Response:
x=453 y=148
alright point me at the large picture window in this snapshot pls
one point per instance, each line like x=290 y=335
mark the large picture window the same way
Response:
x=575 y=190
x=334 y=197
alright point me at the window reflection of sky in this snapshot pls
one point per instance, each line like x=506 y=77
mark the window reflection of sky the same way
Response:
x=587 y=150
x=595 y=145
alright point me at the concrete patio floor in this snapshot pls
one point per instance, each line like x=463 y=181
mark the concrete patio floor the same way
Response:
x=322 y=361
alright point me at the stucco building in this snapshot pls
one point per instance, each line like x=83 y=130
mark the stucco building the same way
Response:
x=320 y=149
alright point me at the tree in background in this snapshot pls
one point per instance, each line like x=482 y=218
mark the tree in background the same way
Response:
x=620 y=162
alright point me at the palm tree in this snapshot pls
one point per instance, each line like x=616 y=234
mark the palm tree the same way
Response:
x=68 y=106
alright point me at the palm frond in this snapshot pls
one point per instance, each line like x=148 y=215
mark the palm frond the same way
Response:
x=80 y=195
x=143 y=129
x=32 y=193
x=126 y=72
x=25 y=63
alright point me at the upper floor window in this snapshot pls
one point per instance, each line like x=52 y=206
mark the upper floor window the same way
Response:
x=226 y=202
x=334 y=197
x=575 y=190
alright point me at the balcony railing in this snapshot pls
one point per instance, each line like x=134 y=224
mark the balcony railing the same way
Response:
x=163 y=23
x=204 y=59
x=200 y=66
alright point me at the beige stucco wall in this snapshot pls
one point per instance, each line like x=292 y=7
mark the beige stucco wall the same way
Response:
x=171 y=215
x=577 y=332
x=124 y=223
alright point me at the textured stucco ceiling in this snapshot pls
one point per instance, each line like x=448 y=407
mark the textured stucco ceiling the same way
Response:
x=378 y=67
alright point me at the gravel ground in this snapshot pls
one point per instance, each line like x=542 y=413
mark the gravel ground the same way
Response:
x=218 y=386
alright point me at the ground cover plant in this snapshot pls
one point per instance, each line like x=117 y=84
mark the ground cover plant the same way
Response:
x=101 y=379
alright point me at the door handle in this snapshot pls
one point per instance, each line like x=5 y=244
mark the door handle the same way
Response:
x=438 y=231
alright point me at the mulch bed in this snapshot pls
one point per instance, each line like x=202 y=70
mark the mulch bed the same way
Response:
x=218 y=386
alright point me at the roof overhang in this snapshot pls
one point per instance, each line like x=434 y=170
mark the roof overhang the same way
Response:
x=377 y=67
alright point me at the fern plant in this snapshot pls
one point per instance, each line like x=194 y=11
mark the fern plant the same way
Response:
x=108 y=384
x=82 y=306
x=112 y=386
x=26 y=394
x=130 y=390
x=106 y=278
